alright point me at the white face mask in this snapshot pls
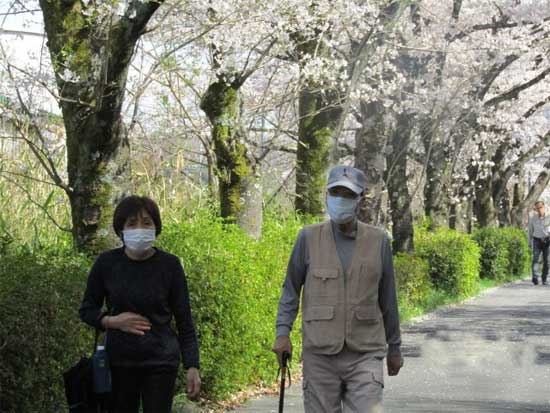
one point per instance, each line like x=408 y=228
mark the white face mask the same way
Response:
x=341 y=210
x=138 y=240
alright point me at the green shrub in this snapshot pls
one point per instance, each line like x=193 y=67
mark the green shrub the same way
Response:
x=494 y=247
x=40 y=333
x=412 y=276
x=505 y=253
x=519 y=253
x=234 y=283
x=453 y=258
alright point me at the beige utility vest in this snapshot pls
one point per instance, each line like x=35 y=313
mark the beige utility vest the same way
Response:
x=342 y=307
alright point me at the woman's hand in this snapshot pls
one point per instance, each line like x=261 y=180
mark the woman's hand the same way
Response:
x=128 y=322
x=193 y=383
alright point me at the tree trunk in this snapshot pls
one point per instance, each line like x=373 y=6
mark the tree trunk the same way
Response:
x=319 y=116
x=370 y=149
x=239 y=184
x=460 y=216
x=502 y=175
x=436 y=200
x=91 y=54
x=520 y=212
x=519 y=188
x=454 y=211
x=483 y=205
x=505 y=210
x=400 y=200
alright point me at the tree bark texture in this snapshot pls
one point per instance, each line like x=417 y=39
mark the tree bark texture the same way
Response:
x=501 y=175
x=504 y=209
x=91 y=54
x=519 y=187
x=520 y=212
x=239 y=184
x=370 y=150
x=483 y=205
x=319 y=113
x=400 y=199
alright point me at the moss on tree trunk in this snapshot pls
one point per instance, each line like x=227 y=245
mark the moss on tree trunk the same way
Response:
x=239 y=185
x=319 y=116
x=91 y=54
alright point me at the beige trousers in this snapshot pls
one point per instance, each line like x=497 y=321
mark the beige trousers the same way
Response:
x=347 y=382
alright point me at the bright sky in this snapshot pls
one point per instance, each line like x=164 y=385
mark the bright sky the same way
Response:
x=20 y=34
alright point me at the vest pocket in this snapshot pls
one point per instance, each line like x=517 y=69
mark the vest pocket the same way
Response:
x=323 y=282
x=367 y=328
x=319 y=313
x=318 y=330
x=368 y=314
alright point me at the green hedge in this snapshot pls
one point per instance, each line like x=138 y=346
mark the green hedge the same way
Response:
x=412 y=276
x=453 y=258
x=235 y=284
x=505 y=253
x=494 y=250
x=519 y=253
x=40 y=333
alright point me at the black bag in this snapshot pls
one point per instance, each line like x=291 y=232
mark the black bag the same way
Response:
x=79 y=386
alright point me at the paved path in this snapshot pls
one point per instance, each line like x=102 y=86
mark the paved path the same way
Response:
x=489 y=354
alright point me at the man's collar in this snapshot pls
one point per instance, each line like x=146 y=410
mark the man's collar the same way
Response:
x=352 y=234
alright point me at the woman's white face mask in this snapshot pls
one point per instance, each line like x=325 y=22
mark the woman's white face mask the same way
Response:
x=341 y=210
x=138 y=240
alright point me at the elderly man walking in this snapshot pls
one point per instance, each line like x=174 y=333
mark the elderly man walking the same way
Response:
x=539 y=241
x=344 y=271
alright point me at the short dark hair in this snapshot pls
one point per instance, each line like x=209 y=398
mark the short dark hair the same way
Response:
x=131 y=206
x=539 y=202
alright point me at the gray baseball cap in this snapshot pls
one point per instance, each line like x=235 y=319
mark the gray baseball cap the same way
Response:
x=347 y=177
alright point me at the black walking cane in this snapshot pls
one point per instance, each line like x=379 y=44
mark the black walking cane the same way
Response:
x=284 y=370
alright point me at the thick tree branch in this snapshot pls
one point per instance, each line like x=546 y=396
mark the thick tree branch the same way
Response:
x=519 y=163
x=516 y=90
x=489 y=78
x=538 y=187
x=503 y=23
x=533 y=109
x=144 y=12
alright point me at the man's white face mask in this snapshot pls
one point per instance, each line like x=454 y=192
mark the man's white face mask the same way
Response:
x=138 y=240
x=341 y=210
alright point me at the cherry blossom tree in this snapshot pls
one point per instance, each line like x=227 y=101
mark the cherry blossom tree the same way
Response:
x=91 y=46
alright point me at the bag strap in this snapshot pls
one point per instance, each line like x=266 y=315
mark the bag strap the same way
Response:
x=96 y=339
x=98 y=332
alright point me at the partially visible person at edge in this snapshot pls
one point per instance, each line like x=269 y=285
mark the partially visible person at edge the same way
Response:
x=539 y=241
x=344 y=270
x=144 y=287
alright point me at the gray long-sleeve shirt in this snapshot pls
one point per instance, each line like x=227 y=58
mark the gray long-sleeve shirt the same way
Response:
x=538 y=227
x=295 y=280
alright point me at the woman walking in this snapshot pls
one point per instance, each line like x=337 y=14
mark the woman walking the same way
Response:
x=143 y=288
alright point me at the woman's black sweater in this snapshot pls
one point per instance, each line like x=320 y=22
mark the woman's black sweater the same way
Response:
x=155 y=288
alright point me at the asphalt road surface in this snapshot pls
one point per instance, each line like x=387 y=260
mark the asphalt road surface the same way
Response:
x=488 y=354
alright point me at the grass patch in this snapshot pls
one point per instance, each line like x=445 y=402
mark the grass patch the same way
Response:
x=438 y=298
